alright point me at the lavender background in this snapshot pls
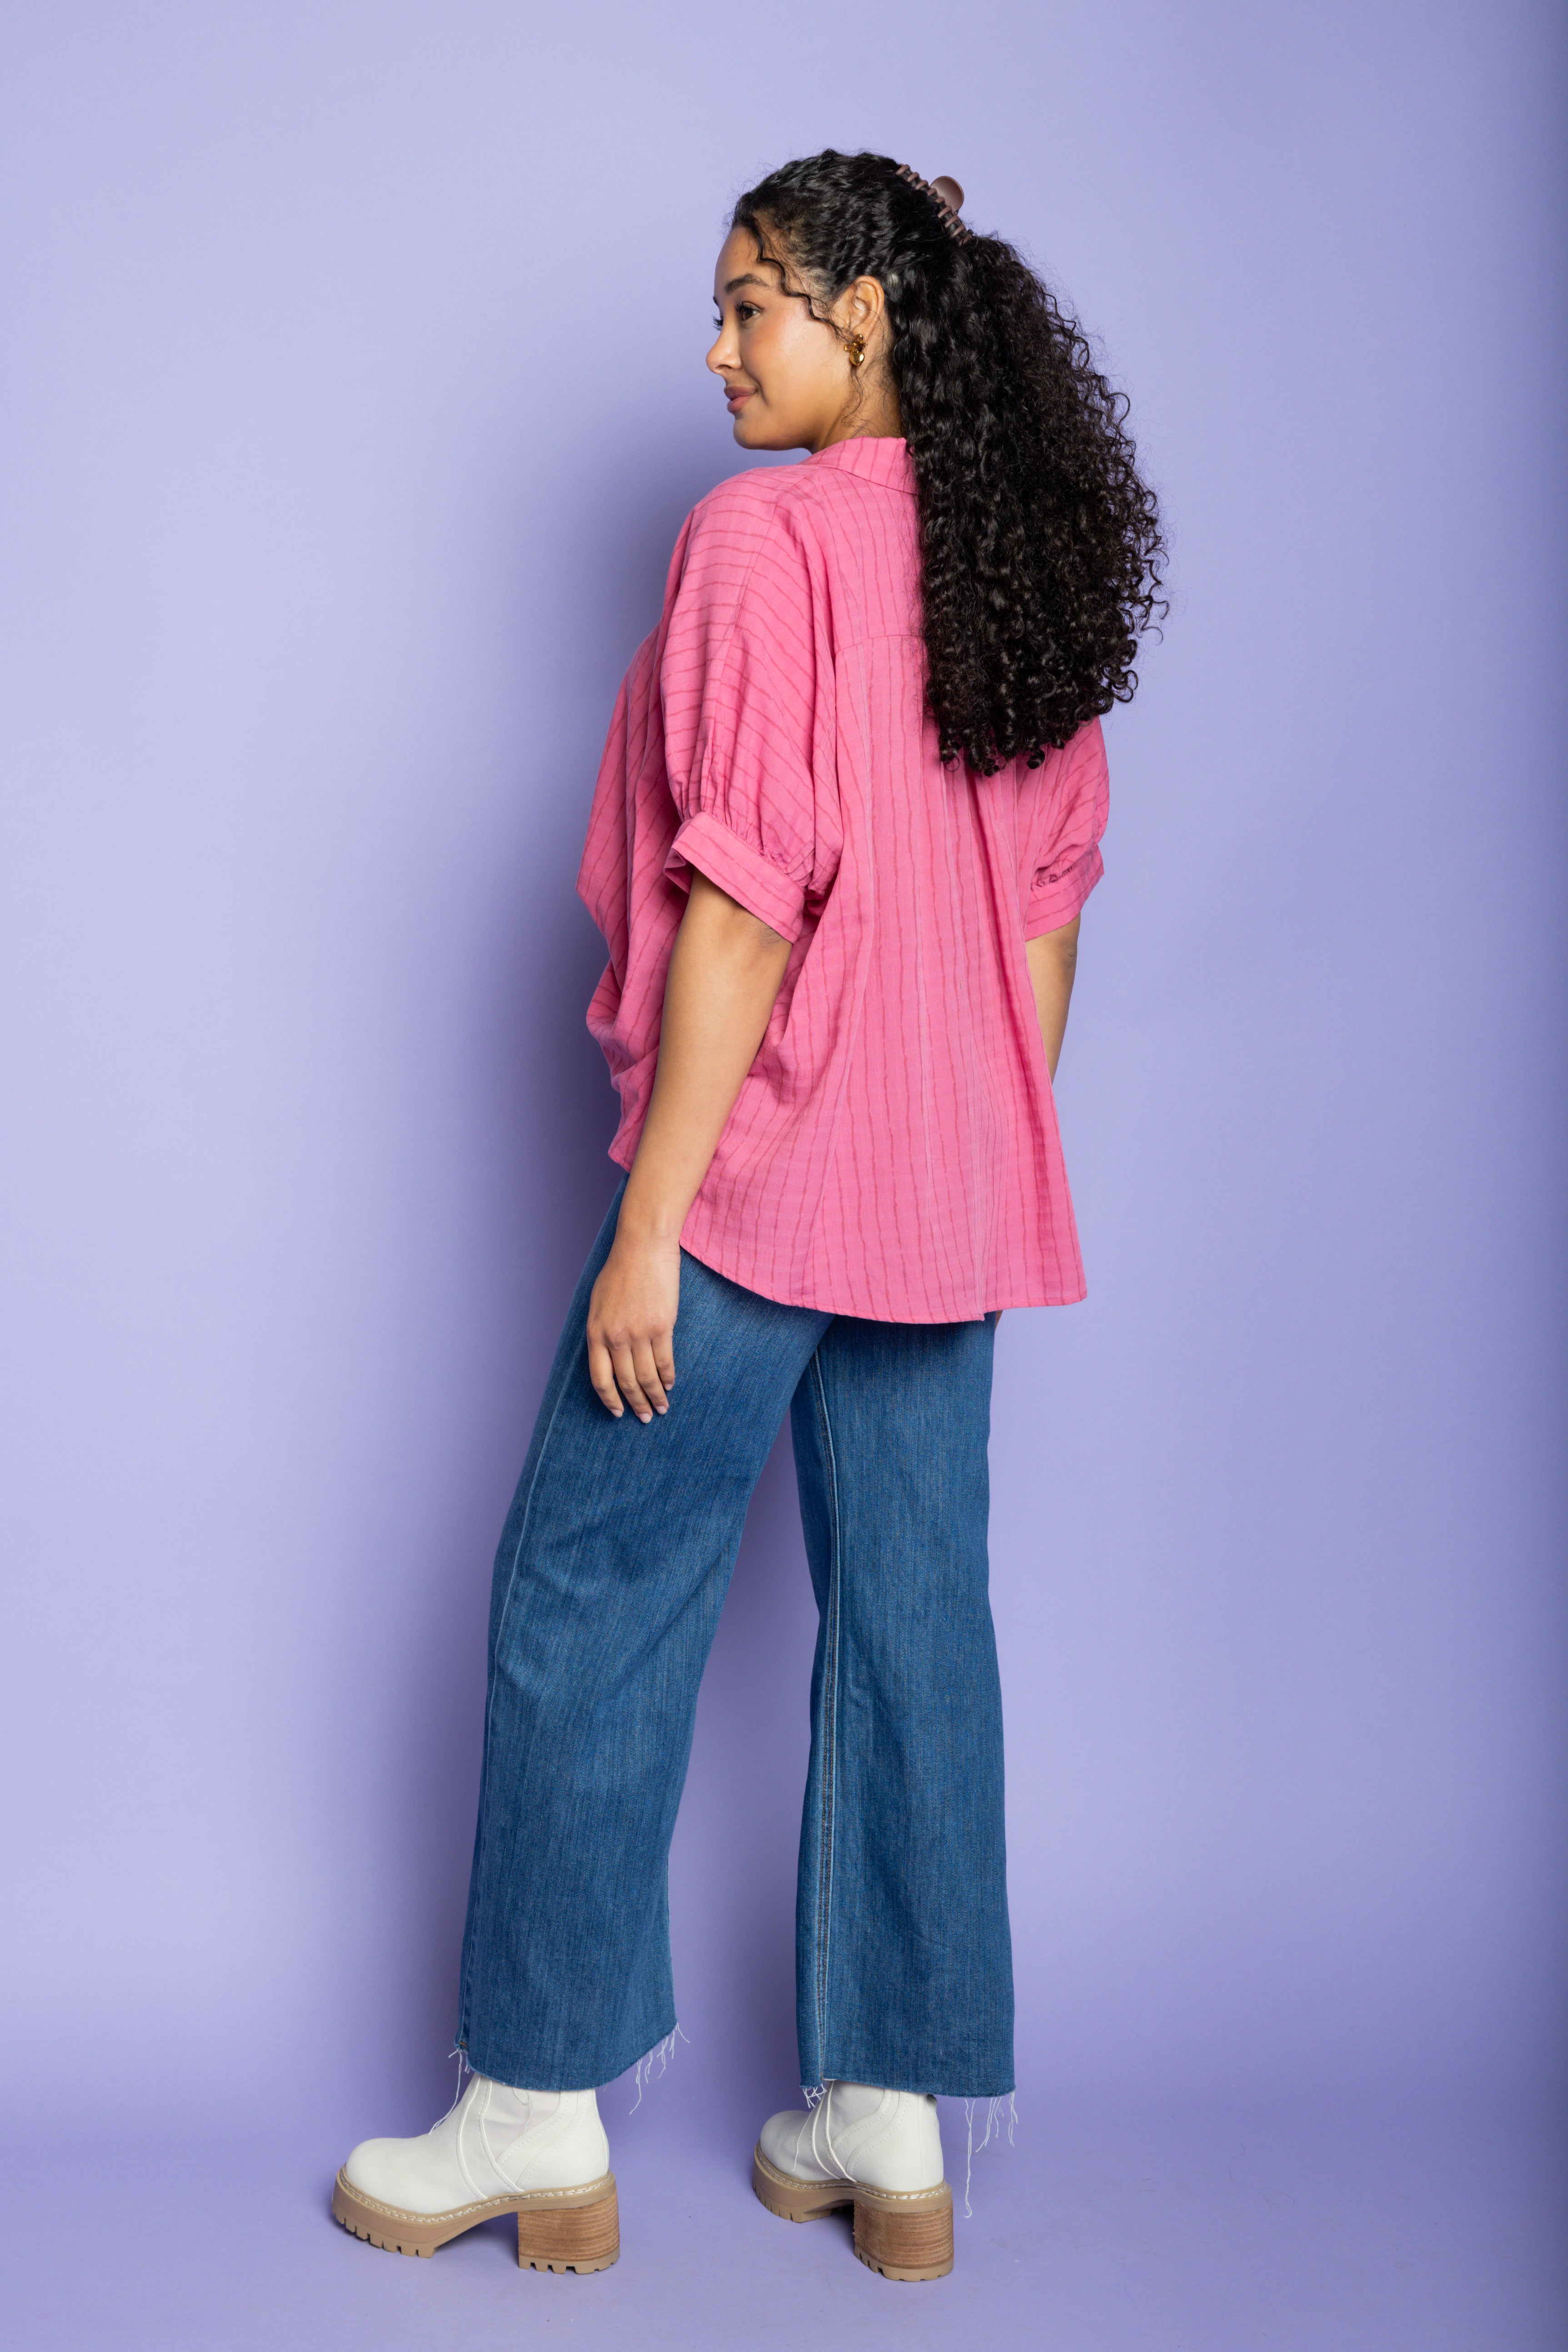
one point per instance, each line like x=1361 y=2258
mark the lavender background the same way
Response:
x=353 y=397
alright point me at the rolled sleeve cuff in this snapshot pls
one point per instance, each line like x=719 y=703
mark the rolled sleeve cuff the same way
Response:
x=763 y=888
x=1058 y=902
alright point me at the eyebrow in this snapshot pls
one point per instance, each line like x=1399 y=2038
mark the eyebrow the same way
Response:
x=747 y=278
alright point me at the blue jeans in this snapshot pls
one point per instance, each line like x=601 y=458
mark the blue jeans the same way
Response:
x=611 y=1573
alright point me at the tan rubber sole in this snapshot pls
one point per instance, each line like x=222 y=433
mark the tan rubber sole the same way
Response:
x=903 y=2233
x=557 y=2229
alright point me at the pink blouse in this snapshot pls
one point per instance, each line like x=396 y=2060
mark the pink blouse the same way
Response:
x=893 y=1152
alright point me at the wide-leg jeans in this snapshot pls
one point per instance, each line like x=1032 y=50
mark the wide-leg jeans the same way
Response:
x=612 y=1569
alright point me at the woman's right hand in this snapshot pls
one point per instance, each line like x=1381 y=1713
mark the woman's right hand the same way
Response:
x=631 y=1326
x=725 y=970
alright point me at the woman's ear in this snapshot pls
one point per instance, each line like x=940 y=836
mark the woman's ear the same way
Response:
x=864 y=307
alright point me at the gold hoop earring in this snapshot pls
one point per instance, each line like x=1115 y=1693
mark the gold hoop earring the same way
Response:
x=856 y=347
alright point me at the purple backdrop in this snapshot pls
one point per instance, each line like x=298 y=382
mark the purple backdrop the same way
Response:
x=353 y=397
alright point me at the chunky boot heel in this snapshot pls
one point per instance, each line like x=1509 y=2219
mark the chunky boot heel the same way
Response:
x=905 y=2234
x=878 y=2151
x=541 y=2155
x=557 y=2235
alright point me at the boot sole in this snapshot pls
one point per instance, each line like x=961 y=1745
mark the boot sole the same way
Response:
x=557 y=2229
x=904 y=2234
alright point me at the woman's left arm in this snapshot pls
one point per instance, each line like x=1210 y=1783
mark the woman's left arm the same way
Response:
x=1053 y=957
x=725 y=971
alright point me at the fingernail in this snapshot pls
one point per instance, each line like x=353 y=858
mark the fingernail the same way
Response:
x=645 y=1418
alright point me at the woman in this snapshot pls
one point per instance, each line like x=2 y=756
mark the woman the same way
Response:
x=848 y=817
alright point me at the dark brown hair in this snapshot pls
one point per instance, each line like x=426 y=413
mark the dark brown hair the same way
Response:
x=1040 y=544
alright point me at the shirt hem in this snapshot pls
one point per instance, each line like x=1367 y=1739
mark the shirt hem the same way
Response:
x=819 y=1298
x=822 y=1302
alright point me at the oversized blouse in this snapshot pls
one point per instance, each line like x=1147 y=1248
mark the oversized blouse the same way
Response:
x=893 y=1151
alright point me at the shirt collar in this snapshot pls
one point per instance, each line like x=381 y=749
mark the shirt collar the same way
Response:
x=883 y=459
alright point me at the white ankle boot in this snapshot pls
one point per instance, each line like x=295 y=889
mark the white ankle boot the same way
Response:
x=542 y=2155
x=879 y=2151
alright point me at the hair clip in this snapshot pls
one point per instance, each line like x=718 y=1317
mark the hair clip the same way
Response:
x=946 y=196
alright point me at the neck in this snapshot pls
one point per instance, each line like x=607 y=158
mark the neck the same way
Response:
x=874 y=417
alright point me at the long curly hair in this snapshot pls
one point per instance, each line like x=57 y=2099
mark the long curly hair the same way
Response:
x=1040 y=544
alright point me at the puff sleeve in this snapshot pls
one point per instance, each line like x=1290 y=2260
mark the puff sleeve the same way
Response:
x=1062 y=860
x=745 y=685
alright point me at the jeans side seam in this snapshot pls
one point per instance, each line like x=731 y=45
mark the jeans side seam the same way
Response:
x=489 y=1702
x=830 y=1719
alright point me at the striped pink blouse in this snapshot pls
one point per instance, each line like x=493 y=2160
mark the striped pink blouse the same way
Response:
x=893 y=1152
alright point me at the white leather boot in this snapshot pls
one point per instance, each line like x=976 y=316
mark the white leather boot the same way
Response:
x=879 y=2151
x=542 y=2155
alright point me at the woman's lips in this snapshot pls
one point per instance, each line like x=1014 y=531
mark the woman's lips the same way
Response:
x=735 y=396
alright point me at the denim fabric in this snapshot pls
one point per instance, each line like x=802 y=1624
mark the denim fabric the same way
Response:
x=612 y=1569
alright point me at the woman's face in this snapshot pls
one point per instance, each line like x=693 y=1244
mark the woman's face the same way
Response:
x=787 y=379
